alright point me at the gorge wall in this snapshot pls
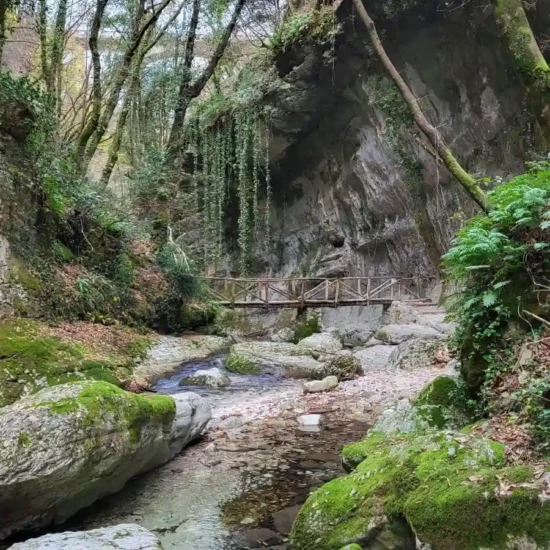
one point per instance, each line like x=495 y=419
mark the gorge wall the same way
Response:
x=356 y=189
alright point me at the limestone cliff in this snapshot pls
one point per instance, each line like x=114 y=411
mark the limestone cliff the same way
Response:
x=356 y=188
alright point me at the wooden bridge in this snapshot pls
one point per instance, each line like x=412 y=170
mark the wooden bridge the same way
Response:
x=316 y=292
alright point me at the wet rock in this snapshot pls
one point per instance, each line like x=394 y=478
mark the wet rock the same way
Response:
x=120 y=537
x=170 y=351
x=374 y=358
x=396 y=334
x=212 y=378
x=261 y=537
x=283 y=519
x=327 y=384
x=416 y=353
x=322 y=342
x=248 y=357
x=77 y=442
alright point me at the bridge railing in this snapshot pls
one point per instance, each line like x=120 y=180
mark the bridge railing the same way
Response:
x=315 y=291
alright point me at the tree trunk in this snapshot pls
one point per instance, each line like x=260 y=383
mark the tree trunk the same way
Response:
x=56 y=53
x=526 y=57
x=106 y=115
x=91 y=125
x=444 y=152
x=3 y=13
x=42 y=29
x=189 y=91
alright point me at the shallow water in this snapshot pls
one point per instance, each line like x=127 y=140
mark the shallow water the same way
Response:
x=210 y=496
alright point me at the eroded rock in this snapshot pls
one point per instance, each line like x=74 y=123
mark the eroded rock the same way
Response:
x=322 y=342
x=417 y=353
x=396 y=334
x=65 y=447
x=119 y=537
x=326 y=384
x=211 y=378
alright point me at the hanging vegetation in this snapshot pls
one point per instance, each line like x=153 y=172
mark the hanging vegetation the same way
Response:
x=230 y=158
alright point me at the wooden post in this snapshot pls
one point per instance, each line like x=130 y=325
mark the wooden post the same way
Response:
x=337 y=292
x=392 y=288
x=266 y=286
x=232 y=293
x=326 y=290
x=359 y=286
x=368 y=290
x=302 y=301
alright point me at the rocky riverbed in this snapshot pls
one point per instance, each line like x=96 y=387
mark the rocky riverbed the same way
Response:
x=241 y=486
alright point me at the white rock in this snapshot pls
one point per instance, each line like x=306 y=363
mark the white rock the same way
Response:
x=192 y=416
x=328 y=383
x=374 y=358
x=415 y=353
x=309 y=420
x=284 y=335
x=322 y=342
x=396 y=334
x=119 y=537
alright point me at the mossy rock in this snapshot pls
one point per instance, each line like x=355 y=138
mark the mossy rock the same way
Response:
x=439 y=404
x=30 y=361
x=19 y=274
x=242 y=363
x=455 y=491
x=344 y=367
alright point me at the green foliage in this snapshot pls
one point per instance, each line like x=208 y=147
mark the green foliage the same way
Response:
x=498 y=263
x=317 y=25
x=307 y=328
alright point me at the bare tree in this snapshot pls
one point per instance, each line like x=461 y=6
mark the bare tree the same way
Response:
x=96 y=127
x=189 y=90
x=430 y=131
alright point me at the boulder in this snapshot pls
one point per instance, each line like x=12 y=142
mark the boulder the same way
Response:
x=212 y=378
x=248 y=357
x=417 y=353
x=192 y=416
x=374 y=358
x=298 y=367
x=449 y=490
x=285 y=335
x=119 y=537
x=356 y=336
x=322 y=342
x=67 y=446
x=400 y=313
x=396 y=334
x=326 y=384
x=344 y=367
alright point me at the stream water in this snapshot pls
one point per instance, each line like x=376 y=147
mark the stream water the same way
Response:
x=239 y=487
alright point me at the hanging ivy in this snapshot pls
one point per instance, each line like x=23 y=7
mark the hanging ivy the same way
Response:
x=230 y=155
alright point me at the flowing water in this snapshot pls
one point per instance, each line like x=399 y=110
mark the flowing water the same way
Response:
x=224 y=492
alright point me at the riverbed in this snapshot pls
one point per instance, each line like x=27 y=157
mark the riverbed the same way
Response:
x=241 y=486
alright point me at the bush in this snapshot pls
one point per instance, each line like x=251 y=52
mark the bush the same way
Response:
x=500 y=265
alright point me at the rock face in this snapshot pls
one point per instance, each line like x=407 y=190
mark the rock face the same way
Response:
x=396 y=334
x=338 y=168
x=374 y=357
x=212 y=378
x=416 y=353
x=119 y=537
x=67 y=446
x=322 y=342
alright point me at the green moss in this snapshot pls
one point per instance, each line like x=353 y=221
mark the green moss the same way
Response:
x=30 y=362
x=62 y=252
x=241 y=364
x=307 y=328
x=102 y=400
x=445 y=484
x=19 y=274
x=24 y=439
